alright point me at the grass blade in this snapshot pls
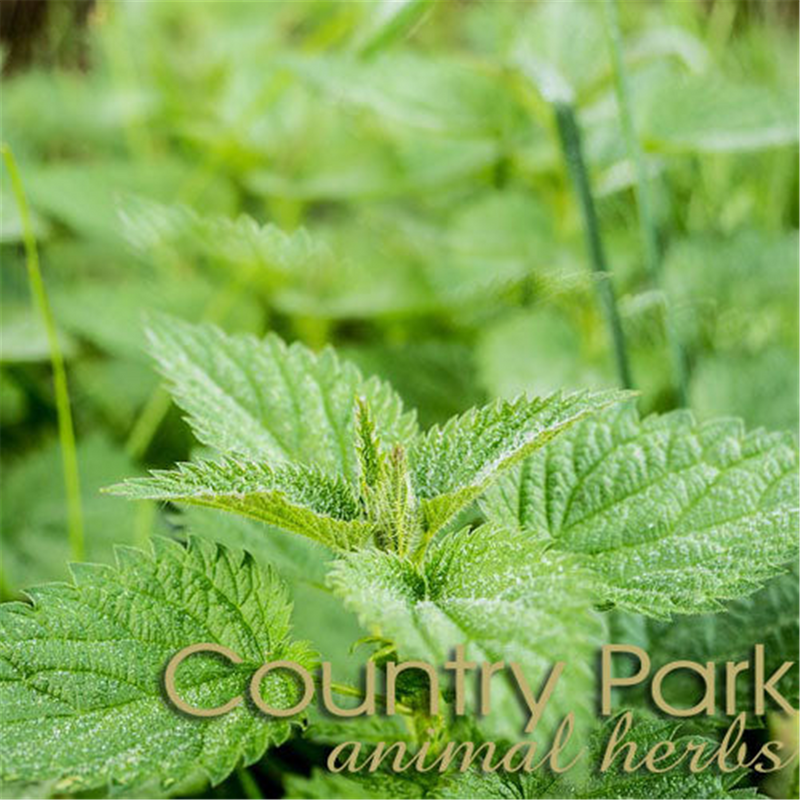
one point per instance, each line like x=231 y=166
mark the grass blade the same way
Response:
x=647 y=227
x=66 y=431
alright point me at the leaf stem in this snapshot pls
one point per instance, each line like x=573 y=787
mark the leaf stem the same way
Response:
x=647 y=227
x=147 y=423
x=248 y=784
x=570 y=138
x=66 y=431
x=350 y=691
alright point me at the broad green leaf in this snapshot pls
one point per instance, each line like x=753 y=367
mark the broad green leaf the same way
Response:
x=51 y=188
x=325 y=785
x=438 y=95
x=498 y=592
x=473 y=784
x=701 y=114
x=50 y=111
x=768 y=617
x=82 y=698
x=453 y=464
x=500 y=785
x=646 y=732
x=670 y=515
x=496 y=241
x=152 y=227
x=265 y=400
x=35 y=541
x=561 y=49
x=293 y=497
x=369 y=730
x=318 y=615
x=341 y=166
x=733 y=291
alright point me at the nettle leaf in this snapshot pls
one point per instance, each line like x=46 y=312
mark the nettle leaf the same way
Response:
x=498 y=592
x=265 y=400
x=293 y=497
x=366 y=469
x=473 y=783
x=453 y=464
x=149 y=226
x=441 y=96
x=670 y=515
x=696 y=114
x=81 y=696
x=323 y=785
x=769 y=617
x=646 y=732
x=318 y=616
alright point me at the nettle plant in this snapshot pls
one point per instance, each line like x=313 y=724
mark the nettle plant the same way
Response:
x=582 y=507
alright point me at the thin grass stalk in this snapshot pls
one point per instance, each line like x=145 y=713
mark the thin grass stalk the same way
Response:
x=570 y=138
x=66 y=431
x=646 y=219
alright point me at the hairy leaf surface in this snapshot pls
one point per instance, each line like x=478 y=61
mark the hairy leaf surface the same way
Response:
x=265 y=400
x=497 y=592
x=645 y=733
x=292 y=497
x=238 y=243
x=82 y=698
x=455 y=463
x=768 y=617
x=318 y=616
x=671 y=515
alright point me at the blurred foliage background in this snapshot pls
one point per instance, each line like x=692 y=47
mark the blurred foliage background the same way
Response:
x=396 y=179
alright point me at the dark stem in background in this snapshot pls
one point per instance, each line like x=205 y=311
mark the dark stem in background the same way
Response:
x=647 y=226
x=570 y=138
x=249 y=784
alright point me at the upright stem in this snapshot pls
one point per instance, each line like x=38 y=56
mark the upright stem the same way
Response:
x=350 y=691
x=647 y=227
x=66 y=432
x=570 y=138
x=248 y=784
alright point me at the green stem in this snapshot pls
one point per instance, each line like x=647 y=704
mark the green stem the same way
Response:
x=570 y=138
x=248 y=784
x=143 y=523
x=350 y=691
x=647 y=226
x=66 y=432
x=421 y=546
x=147 y=423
